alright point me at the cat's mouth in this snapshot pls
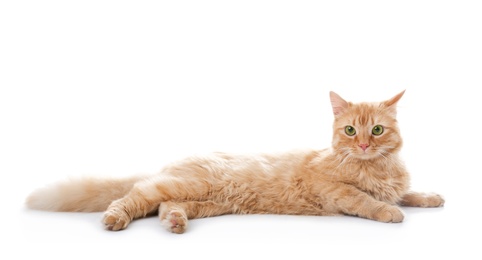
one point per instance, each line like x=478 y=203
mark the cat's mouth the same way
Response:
x=368 y=153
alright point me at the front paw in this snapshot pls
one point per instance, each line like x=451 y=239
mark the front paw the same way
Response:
x=115 y=219
x=388 y=214
x=422 y=200
x=433 y=200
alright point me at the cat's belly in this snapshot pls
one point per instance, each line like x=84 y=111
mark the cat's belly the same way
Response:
x=246 y=199
x=286 y=209
x=300 y=207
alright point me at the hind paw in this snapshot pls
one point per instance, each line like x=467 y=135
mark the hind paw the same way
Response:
x=175 y=221
x=116 y=219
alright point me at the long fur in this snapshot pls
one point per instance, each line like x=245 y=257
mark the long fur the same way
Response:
x=360 y=175
x=86 y=194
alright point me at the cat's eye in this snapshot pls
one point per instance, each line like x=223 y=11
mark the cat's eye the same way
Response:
x=377 y=130
x=350 y=130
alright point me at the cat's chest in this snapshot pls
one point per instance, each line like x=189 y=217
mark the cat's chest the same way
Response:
x=383 y=182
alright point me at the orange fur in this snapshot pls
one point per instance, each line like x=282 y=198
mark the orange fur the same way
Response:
x=360 y=175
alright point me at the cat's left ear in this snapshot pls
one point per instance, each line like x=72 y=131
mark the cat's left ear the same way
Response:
x=391 y=104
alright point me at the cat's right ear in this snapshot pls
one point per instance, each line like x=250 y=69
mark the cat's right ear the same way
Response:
x=337 y=103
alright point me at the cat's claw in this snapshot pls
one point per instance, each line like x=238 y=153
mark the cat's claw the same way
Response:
x=115 y=220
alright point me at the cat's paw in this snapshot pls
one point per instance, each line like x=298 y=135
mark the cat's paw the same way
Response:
x=388 y=214
x=175 y=221
x=422 y=200
x=433 y=200
x=115 y=219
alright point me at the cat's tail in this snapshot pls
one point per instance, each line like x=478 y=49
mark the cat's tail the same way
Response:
x=86 y=194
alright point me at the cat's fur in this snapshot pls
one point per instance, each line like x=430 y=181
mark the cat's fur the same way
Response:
x=360 y=175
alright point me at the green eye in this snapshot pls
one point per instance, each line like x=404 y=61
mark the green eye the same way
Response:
x=377 y=130
x=350 y=130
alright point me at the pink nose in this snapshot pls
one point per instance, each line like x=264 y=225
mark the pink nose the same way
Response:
x=363 y=146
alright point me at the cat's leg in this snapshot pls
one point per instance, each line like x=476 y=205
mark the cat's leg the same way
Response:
x=146 y=196
x=121 y=212
x=423 y=200
x=352 y=201
x=174 y=215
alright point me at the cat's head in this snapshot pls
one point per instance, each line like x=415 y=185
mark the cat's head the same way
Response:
x=365 y=130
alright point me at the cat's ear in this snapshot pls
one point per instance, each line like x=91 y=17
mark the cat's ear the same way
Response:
x=391 y=104
x=337 y=103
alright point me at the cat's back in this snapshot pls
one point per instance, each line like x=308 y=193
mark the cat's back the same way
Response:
x=250 y=168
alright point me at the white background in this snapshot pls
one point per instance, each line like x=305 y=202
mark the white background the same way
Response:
x=115 y=88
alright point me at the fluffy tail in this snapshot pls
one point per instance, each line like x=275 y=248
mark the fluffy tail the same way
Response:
x=85 y=195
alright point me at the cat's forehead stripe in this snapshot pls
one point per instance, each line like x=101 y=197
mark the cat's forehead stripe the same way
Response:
x=364 y=114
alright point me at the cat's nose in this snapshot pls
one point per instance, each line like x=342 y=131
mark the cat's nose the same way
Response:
x=363 y=146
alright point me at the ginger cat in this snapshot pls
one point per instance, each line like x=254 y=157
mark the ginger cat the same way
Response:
x=360 y=175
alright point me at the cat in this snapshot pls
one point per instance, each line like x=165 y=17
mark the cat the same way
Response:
x=361 y=175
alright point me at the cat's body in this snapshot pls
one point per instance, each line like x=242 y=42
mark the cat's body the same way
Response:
x=360 y=175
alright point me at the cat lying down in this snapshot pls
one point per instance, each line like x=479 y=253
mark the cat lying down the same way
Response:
x=360 y=175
